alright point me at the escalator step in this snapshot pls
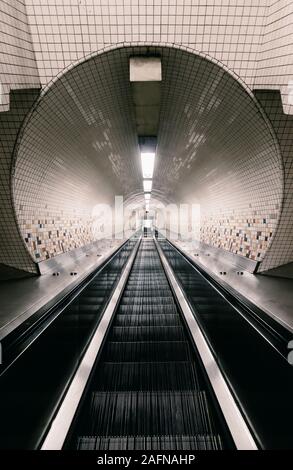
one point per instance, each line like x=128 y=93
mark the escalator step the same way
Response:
x=125 y=376
x=146 y=351
x=148 y=293
x=125 y=301
x=147 y=320
x=147 y=282
x=149 y=413
x=197 y=442
x=156 y=309
x=144 y=333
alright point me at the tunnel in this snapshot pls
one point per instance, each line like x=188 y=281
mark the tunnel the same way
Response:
x=146 y=231
x=214 y=148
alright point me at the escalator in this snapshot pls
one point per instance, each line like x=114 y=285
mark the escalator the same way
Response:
x=148 y=386
x=147 y=389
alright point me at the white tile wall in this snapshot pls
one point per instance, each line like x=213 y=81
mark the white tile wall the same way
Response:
x=281 y=250
x=64 y=31
x=18 y=68
x=274 y=62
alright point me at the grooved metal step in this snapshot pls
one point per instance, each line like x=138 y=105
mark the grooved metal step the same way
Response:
x=147 y=351
x=147 y=320
x=144 y=333
x=148 y=308
x=149 y=413
x=197 y=442
x=150 y=376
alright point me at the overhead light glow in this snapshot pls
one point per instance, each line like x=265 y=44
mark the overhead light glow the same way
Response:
x=147 y=196
x=147 y=185
x=147 y=162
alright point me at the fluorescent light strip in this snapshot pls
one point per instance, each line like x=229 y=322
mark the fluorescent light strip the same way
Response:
x=147 y=163
x=147 y=185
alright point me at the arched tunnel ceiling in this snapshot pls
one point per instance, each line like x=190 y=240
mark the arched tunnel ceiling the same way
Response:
x=211 y=134
x=85 y=122
x=79 y=147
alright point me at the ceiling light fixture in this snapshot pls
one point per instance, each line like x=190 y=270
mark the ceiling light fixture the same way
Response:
x=147 y=163
x=147 y=185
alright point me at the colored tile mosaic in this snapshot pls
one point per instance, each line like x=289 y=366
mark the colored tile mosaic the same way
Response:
x=46 y=238
x=245 y=236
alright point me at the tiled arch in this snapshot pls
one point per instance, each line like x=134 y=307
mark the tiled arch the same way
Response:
x=251 y=234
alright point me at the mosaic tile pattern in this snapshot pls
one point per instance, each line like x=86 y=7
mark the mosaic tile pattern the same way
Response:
x=46 y=238
x=248 y=237
x=52 y=236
